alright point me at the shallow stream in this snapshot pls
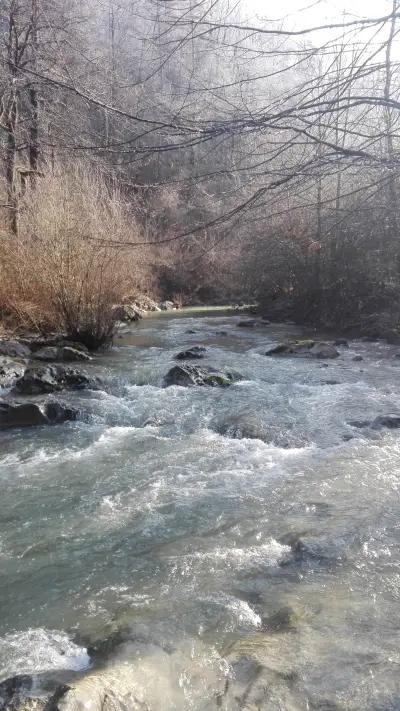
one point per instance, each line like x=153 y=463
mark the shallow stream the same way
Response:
x=213 y=526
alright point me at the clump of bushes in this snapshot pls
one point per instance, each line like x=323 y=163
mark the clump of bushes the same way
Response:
x=60 y=272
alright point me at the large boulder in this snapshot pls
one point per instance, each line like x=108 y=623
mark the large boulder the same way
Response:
x=189 y=375
x=192 y=353
x=167 y=306
x=10 y=370
x=49 y=379
x=127 y=313
x=30 y=414
x=67 y=354
x=14 y=349
x=36 y=341
x=307 y=348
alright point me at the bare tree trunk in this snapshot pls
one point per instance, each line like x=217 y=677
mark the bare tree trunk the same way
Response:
x=34 y=99
x=392 y=220
x=11 y=121
x=12 y=196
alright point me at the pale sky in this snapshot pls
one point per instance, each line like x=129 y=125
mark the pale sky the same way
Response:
x=305 y=11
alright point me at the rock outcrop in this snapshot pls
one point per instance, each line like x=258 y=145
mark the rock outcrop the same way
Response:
x=67 y=354
x=49 y=379
x=31 y=414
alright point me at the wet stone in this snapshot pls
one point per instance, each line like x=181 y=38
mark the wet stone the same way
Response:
x=307 y=348
x=14 y=349
x=192 y=353
x=49 y=379
x=190 y=375
x=10 y=370
x=250 y=323
x=31 y=414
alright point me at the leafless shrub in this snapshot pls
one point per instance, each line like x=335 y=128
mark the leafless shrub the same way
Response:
x=60 y=272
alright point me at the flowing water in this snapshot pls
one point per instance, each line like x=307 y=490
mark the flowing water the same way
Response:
x=215 y=527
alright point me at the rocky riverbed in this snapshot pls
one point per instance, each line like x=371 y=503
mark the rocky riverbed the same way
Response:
x=205 y=516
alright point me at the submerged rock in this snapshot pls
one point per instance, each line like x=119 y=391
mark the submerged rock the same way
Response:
x=242 y=426
x=189 y=375
x=264 y=673
x=49 y=379
x=358 y=358
x=31 y=414
x=284 y=620
x=306 y=547
x=308 y=348
x=250 y=323
x=391 y=422
x=192 y=353
x=14 y=349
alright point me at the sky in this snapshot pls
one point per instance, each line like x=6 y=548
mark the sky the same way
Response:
x=302 y=12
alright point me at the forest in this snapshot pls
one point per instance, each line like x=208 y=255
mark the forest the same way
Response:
x=198 y=151
x=199 y=349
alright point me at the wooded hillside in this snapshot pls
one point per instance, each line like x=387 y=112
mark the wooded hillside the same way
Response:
x=194 y=150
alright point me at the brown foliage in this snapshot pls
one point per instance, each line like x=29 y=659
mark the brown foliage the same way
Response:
x=59 y=272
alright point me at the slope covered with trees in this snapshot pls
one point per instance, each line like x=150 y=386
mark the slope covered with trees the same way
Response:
x=189 y=148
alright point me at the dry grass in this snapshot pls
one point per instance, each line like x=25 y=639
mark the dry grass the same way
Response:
x=60 y=273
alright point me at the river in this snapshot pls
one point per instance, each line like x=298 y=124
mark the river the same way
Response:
x=244 y=540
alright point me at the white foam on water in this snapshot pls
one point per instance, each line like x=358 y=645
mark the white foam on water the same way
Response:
x=34 y=651
x=271 y=553
x=110 y=436
x=240 y=610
